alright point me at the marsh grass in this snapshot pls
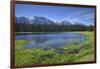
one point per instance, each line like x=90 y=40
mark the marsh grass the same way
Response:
x=71 y=53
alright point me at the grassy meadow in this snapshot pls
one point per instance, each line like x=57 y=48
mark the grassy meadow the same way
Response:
x=71 y=53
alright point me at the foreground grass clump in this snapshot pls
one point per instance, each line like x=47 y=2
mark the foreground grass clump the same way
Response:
x=40 y=56
x=30 y=56
x=71 y=53
x=83 y=51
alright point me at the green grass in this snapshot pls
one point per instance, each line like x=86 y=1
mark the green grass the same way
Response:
x=82 y=50
x=72 y=53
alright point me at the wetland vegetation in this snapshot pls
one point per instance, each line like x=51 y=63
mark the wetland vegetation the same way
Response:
x=68 y=53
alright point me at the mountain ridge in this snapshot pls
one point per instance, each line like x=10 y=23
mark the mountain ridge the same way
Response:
x=43 y=20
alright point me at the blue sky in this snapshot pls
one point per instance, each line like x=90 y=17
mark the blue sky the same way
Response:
x=57 y=13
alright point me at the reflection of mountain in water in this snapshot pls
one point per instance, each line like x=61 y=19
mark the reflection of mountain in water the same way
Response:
x=52 y=40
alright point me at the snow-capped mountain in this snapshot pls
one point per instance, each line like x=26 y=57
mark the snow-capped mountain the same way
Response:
x=65 y=22
x=34 y=20
x=21 y=20
x=43 y=20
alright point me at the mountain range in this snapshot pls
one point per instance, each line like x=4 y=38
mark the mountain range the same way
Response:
x=42 y=20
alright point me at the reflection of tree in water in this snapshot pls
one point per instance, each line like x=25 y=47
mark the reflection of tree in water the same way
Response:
x=40 y=39
x=52 y=40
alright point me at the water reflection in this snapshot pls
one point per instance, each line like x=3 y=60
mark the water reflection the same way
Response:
x=53 y=40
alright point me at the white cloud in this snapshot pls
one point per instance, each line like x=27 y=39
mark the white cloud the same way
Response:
x=88 y=16
x=75 y=14
x=80 y=16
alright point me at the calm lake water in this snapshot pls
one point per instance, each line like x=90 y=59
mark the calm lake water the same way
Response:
x=54 y=40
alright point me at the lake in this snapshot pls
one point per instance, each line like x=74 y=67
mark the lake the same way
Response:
x=55 y=40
